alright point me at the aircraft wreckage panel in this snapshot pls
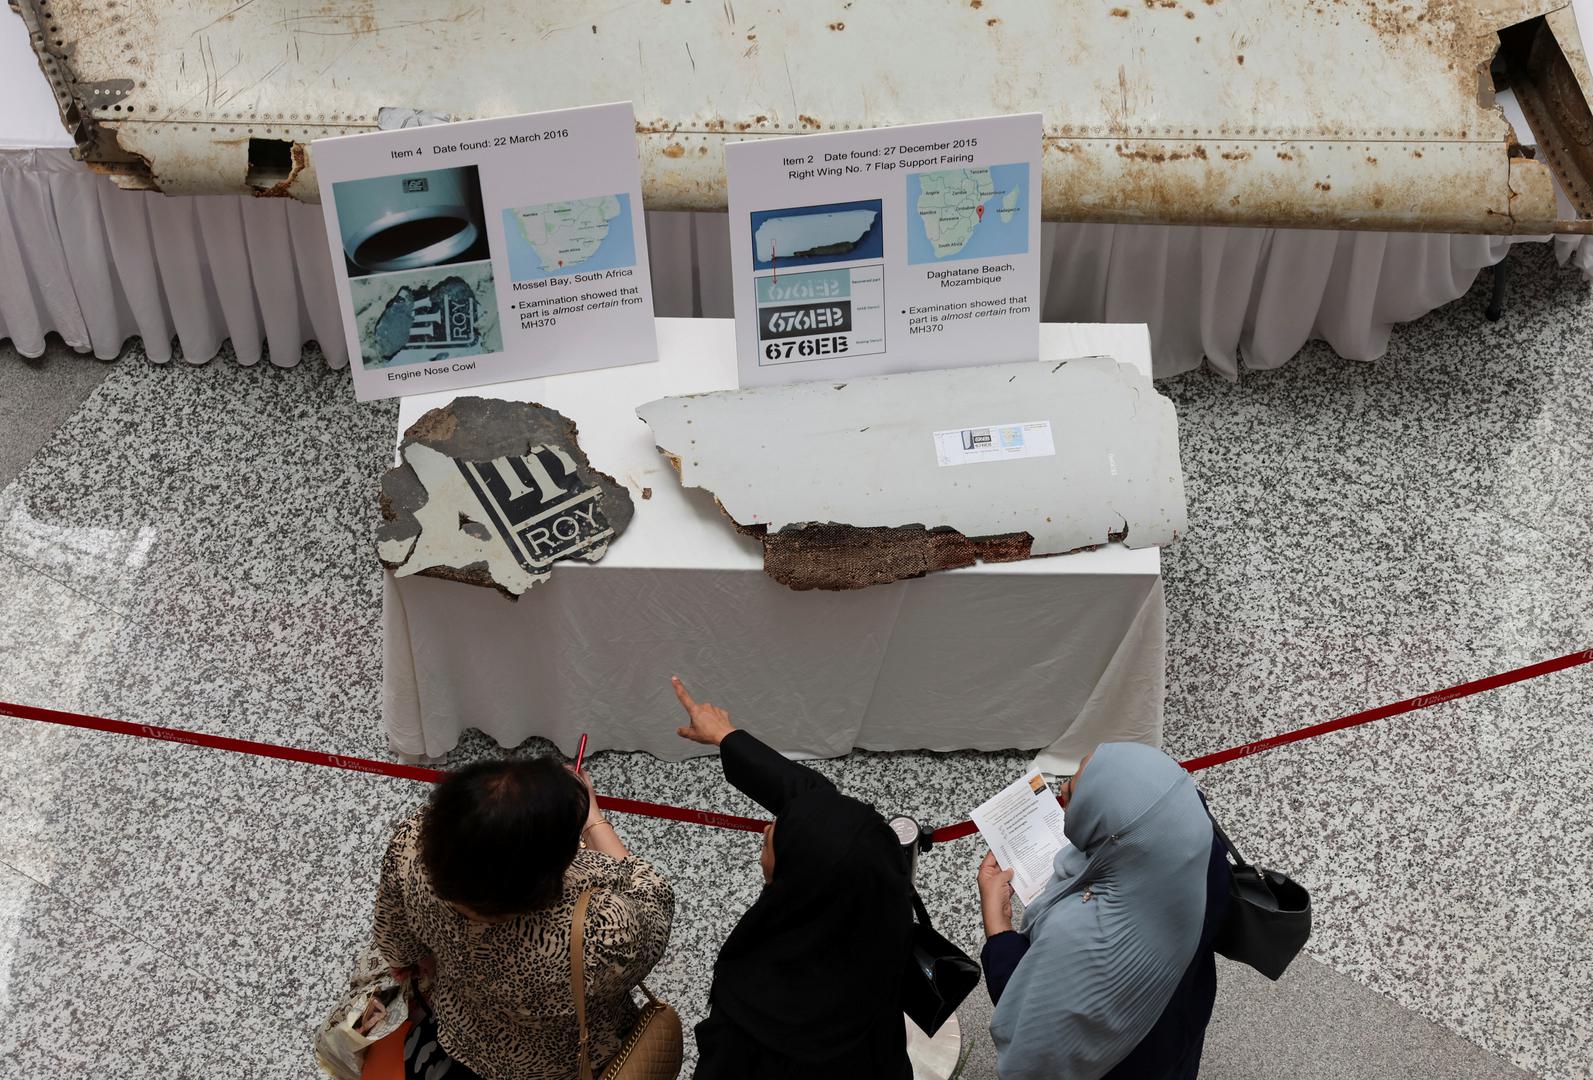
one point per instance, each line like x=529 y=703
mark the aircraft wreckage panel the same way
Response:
x=1355 y=114
x=878 y=479
x=493 y=493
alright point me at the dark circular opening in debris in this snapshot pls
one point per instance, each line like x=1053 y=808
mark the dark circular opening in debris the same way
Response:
x=417 y=242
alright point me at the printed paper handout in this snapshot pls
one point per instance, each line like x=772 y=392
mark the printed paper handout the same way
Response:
x=1022 y=823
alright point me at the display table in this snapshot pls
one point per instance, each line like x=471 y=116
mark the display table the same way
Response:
x=1059 y=653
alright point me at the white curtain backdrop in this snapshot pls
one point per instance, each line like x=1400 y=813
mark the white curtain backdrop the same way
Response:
x=1207 y=293
x=98 y=265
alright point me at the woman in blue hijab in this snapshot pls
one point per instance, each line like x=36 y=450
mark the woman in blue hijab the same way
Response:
x=1113 y=973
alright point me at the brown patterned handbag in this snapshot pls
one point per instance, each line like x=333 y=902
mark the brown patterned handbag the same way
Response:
x=652 y=1050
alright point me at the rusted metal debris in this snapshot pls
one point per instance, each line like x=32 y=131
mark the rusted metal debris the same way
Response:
x=832 y=556
x=1179 y=111
x=492 y=493
x=879 y=479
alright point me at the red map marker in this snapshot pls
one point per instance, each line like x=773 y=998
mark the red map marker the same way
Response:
x=980 y=210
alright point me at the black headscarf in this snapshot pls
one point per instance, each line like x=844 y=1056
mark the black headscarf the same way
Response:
x=813 y=971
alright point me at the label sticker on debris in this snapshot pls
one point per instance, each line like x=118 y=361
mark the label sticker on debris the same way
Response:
x=994 y=442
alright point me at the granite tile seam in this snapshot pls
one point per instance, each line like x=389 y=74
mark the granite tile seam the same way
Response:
x=149 y=1018
x=236 y=989
x=1398 y=996
x=7 y=864
x=117 y=395
x=14 y=558
x=131 y=933
x=172 y=653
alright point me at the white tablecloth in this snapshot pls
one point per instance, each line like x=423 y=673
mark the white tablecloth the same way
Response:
x=1061 y=653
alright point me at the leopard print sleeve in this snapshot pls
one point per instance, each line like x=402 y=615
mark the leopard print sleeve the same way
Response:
x=628 y=927
x=393 y=934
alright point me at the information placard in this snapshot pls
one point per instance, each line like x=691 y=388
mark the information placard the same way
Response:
x=888 y=250
x=489 y=250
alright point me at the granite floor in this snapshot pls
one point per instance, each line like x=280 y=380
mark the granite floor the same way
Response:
x=191 y=548
x=36 y=395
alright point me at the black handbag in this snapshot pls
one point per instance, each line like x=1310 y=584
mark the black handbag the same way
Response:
x=939 y=975
x=1269 y=914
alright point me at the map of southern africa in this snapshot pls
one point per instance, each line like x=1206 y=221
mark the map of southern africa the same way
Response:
x=566 y=234
x=951 y=205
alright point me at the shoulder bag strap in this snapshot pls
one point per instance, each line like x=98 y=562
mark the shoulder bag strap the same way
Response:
x=1222 y=837
x=578 y=980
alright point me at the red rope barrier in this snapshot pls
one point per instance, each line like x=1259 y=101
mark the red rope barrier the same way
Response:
x=1366 y=716
x=732 y=821
x=1383 y=712
x=339 y=761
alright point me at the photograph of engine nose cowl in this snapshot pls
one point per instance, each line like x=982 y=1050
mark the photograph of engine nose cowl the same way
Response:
x=419 y=267
x=409 y=221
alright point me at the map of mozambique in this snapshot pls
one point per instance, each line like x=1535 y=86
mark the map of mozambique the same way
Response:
x=566 y=234
x=951 y=205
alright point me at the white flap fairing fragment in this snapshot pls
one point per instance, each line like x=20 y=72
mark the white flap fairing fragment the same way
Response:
x=856 y=483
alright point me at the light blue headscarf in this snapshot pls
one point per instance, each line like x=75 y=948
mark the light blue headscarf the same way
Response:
x=1112 y=933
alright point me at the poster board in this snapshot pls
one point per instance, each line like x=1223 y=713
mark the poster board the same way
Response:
x=488 y=250
x=887 y=250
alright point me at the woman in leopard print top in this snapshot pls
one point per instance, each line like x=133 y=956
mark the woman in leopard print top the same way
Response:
x=480 y=885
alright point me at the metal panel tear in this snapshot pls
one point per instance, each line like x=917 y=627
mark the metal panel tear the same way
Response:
x=1543 y=63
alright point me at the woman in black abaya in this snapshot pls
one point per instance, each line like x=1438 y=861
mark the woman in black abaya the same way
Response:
x=809 y=983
